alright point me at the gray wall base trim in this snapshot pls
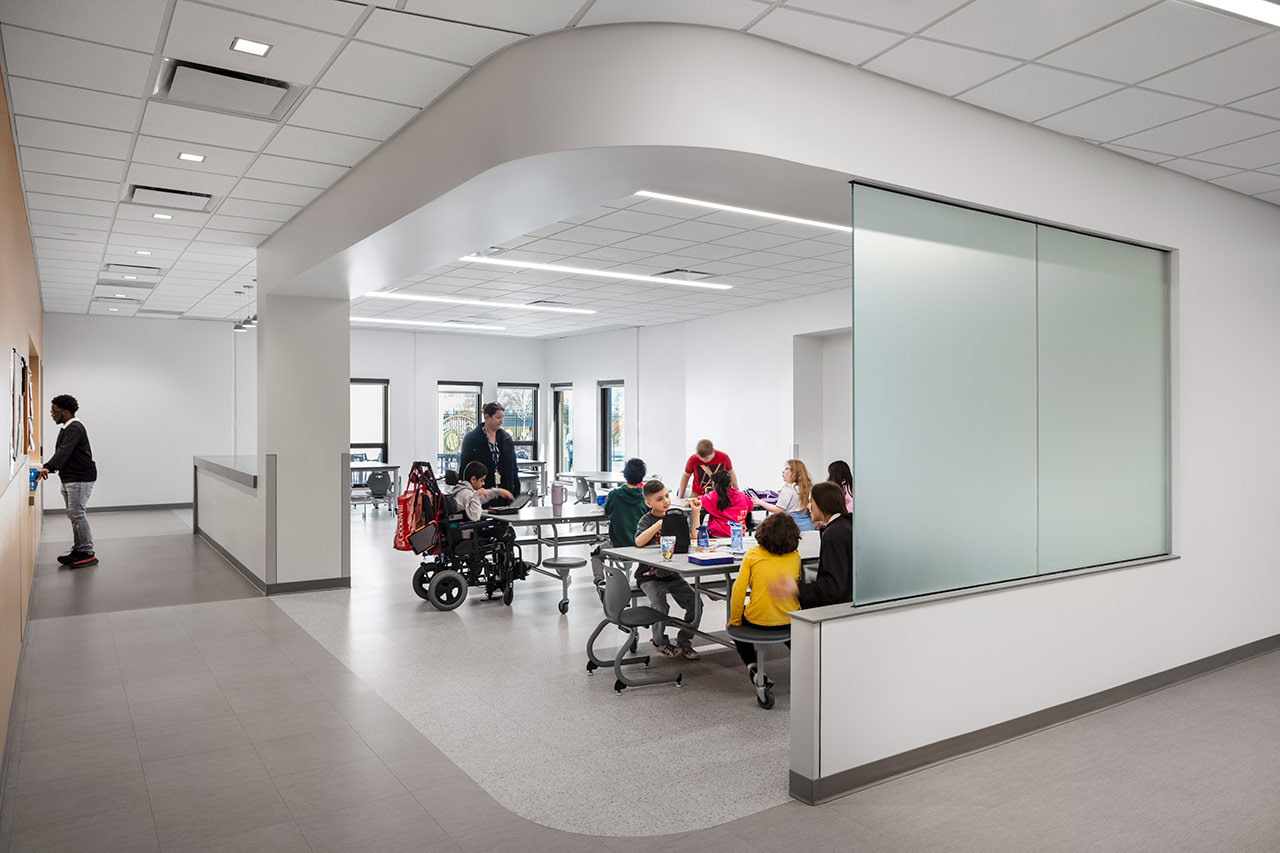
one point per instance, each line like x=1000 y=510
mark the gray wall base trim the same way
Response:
x=274 y=588
x=22 y=654
x=816 y=791
x=122 y=508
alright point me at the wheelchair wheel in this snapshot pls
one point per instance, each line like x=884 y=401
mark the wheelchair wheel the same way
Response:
x=446 y=590
x=422 y=577
x=508 y=593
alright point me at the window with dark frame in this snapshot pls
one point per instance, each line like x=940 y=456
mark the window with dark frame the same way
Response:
x=370 y=418
x=612 y=434
x=519 y=403
x=459 y=413
x=563 y=421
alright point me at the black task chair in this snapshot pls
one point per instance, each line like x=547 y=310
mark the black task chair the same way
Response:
x=379 y=485
x=620 y=610
x=760 y=637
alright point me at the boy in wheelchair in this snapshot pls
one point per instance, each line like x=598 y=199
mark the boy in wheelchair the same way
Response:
x=471 y=540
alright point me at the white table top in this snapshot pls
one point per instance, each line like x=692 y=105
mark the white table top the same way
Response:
x=810 y=545
x=373 y=466
x=595 y=476
x=531 y=515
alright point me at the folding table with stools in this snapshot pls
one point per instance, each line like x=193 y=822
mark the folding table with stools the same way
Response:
x=546 y=521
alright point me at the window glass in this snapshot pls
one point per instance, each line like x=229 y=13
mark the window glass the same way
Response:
x=459 y=414
x=564 y=429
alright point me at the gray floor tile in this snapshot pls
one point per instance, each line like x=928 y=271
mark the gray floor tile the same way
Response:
x=340 y=786
x=111 y=754
x=312 y=750
x=207 y=704
x=197 y=773
x=291 y=720
x=88 y=724
x=423 y=766
x=391 y=824
x=123 y=829
x=278 y=838
x=70 y=799
x=238 y=807
x=218 y=734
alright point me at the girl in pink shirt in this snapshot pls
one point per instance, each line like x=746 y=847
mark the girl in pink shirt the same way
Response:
x=724 y=504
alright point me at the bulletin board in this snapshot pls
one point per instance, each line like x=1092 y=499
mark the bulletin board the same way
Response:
x=22 y=434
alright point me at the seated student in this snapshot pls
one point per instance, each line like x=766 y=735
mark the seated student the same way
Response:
x=833 y=583
x=773 y=558
x=471 y=496
x=838 y=472
x=656 y=583
x=793 y=497
x=623 y=507
x=723 y=504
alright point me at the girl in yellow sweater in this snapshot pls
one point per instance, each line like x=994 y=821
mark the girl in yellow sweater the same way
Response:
x=773 y=558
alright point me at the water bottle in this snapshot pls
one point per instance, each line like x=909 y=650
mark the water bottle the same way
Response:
x=557 y=496
x=735 y=536
x=704 y=536
x=35 y=478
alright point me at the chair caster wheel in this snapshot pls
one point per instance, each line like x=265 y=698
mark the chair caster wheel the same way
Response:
x=680 y=680
x=765 y=701
x=634 y=645
x=618 y=687
x=564 y=606
x=591 y=668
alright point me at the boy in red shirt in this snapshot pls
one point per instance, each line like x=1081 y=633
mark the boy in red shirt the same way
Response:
x=702 y=465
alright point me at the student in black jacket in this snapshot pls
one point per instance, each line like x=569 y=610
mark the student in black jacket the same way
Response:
x=72 y=460
x=834 y=581
x=491 y=445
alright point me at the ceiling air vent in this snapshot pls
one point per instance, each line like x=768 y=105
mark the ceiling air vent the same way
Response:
x=158 y=315
x=169 y=198
x=224 y=90
x=684 y=275
x=132 y=269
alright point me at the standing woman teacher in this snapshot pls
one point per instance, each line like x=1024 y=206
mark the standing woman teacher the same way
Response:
x=491 y=445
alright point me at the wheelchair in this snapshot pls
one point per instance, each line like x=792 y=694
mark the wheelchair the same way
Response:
x=464 y=554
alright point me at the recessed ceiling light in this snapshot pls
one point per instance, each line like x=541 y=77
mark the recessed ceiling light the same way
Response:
x=1258 y=10
x=830 y=226
x=141 y=252
x=256 y=48
x=456 y=300
x=129 y=277
x=162 y=216
x=192 y=158
x=113 y=309
x=625 y=276
x=121 y=296
x=471 y=326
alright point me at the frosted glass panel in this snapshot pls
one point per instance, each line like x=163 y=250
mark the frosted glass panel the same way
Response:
x=1103 y=401
x=944 y=396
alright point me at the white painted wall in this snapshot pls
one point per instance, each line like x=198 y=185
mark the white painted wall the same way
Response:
x=584 y=361
x=229 y=514
x=246 y=392
x=837 y=402
x=152 y=394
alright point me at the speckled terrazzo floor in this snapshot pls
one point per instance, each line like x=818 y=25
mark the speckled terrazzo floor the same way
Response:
x=503 y=693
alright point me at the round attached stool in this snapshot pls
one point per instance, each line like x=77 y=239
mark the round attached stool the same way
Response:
x=561 y=566
x=760 y=637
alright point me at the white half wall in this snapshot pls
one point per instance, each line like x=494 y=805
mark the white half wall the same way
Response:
x=152 y=394
x=837 y=401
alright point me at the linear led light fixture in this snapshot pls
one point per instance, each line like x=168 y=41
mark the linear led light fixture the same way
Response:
x=473 y=326
x=162 y=216
x=141 y=252
x=456 y=300
x=831 y=226
x=191 y=158
x=625 y=276
x=1258 y=10
x=244 y=45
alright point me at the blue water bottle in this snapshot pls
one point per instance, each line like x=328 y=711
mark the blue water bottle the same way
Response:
x=704 y=536
x=735 y=536
x=35 y=478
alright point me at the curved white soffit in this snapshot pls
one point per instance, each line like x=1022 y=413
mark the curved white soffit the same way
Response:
x=558 y=124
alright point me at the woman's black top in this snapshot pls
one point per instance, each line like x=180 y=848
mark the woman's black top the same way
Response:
x=475 y=448
x=834 y=583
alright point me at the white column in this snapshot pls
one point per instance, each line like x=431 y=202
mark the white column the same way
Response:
x=304 y=403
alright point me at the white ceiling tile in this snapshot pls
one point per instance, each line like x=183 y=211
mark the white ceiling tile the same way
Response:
x=61 y=185
x=343 y=113
x=1120 y=114
x=1033 y=92
x=1197 y=169
x=754 y=240
x=733 y=14
x=710 y=252
x=390 y=75
x=650 y=243
x=258 y=190
x=433 y=37
x=1028 y=28
x=121 y=241
x=697 y=231
x=940 y=67
x=1268 y=104
x=1228 y=76
x=248 y=226
x=307 y=144
x=517 y=15
x=333 y=16
x=762 y=259
x=630 y=220
x=171 y=121
x=52 y=101
x=290 y=171
x=258 y=209
x=73 y=62
x=133 y=24
x=1250 y=154
x=155 y=229
x=1137 y=153
x=1205 y=130
x=69 y=220
x=74 y=138
x=1152 y=42
x=1274 y=197
x=1250 y=183
x=907 y=16
x=63 y=232
x=71 y=165
x=130 y=212
x=164 y=152
x=593 y=235
x=66 y=245
x=204 y=34
x=810 y=249
x=846 y=42
x=237 y=238
x=164 y=177
x=67 y=204
x=218 y=251
x=614 y=254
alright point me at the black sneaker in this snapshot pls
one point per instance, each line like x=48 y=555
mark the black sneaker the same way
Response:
x=81 y=560
x=688 y=653
x=65 y=559
x=668 y=649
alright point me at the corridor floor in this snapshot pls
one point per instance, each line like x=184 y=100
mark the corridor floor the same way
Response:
x=163 y=705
